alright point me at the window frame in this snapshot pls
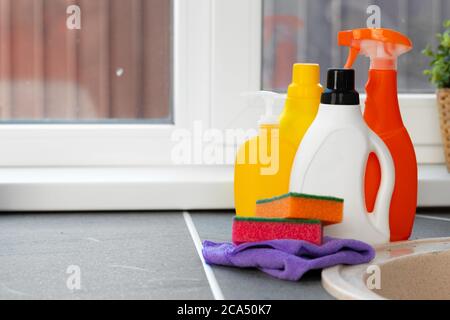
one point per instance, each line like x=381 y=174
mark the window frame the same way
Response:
x=203 y=42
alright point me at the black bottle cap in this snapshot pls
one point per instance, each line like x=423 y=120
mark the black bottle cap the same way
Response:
x=340 y=88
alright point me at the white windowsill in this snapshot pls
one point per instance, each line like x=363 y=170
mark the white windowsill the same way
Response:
x=434 y=186
x=93 y=189
x=104 y=189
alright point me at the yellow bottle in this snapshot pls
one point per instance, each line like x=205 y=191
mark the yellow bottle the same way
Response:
x=302 y=104
x=263 y=163
x=257 y=161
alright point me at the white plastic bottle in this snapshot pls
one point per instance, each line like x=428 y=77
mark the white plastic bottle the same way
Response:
x=332 y=158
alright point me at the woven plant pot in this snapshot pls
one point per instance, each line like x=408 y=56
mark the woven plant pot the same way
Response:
x=443 y=97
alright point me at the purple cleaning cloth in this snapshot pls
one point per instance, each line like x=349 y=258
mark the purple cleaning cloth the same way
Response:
x=288 y=259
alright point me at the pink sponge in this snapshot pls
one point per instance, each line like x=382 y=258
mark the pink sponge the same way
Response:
x=262 y=229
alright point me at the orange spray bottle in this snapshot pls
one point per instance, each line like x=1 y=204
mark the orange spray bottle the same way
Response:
x=382 y=114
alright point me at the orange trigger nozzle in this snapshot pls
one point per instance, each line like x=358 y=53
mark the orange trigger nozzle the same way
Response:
x=353 y=54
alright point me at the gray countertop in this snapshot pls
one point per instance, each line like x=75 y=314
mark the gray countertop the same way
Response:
x=141 y=256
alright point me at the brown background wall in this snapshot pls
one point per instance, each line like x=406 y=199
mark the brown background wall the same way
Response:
x=116 y=67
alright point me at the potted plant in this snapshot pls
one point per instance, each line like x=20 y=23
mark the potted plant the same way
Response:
x=439 y=75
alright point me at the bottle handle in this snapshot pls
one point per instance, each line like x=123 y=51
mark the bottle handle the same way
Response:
x=380 y=215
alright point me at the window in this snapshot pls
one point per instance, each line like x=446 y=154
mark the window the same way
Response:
x=306 y=30
x=110 y=89
x=91 y=83
x=90 y=115
x=85 y=61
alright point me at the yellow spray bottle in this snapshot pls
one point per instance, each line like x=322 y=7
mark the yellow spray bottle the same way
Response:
x=263 y=164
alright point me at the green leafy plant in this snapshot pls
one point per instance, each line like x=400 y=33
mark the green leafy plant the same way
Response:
x=439 y=73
